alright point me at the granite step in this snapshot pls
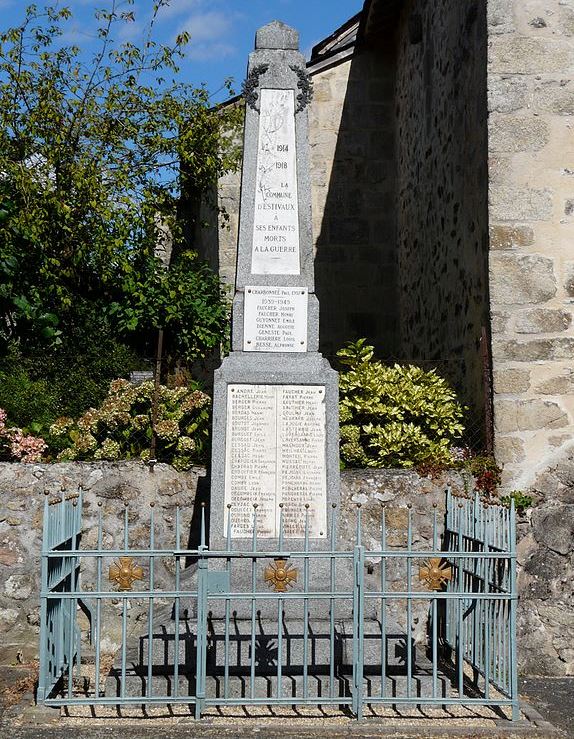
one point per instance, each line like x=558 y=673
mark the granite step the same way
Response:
x=293 y=681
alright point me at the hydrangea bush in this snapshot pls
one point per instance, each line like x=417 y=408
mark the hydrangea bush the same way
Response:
x=18 y=446
x=399 y=416
x=121 y=428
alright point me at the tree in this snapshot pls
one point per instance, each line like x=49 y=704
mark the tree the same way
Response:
x=90 y=155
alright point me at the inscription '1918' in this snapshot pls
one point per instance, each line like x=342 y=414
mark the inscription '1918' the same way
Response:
x=275 y=453
x=276 y=219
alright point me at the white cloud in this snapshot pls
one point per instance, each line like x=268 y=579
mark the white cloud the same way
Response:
x=209 y=26
x=178 y=7
x=209 y=32
x=202 y=52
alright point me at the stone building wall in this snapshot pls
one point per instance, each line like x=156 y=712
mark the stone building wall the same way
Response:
x=442 y=210
x=352 y=140
x=531 y=142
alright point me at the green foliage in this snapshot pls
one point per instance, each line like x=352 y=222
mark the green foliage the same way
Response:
x=121 y=428
x=485 y=471
x=187 y=300
x=37 y=388
x=29 y=403
x=93 y=155
x=522 y=501
x=397 y=416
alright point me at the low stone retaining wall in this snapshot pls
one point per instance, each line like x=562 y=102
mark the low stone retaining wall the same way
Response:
x=546 y=548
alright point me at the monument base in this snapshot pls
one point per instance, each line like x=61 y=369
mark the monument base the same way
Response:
x=273 y=451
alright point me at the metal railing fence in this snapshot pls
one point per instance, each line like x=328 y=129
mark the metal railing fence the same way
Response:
x=295 y=625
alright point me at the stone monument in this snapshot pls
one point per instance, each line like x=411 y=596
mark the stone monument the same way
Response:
x=275 y=415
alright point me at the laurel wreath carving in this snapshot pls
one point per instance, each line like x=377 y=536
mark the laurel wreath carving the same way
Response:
x=249 y=87
x=305 y=86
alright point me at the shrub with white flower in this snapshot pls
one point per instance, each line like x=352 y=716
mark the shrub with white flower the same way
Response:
x=121 y=428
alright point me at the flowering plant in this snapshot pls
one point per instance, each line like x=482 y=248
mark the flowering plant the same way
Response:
x=18 y=446
x=121 y=428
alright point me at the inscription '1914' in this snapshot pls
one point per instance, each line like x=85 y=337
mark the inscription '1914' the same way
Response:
x=275 y=453
x=276 y=219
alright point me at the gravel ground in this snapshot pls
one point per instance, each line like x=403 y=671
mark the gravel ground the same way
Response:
x=553 y=698
x=21 y=719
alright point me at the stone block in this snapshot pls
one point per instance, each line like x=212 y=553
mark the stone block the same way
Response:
x=518 y=133
x=276 y=35
x=509 y=450
x=510 y=237
x=528 y=415
x=520 y=279
x=544 y=564
x=526 y=55
x=500 y=17
x=9 y=557
x=566 y=19
x=505 y=421
x=569 y=278
x=520 y=204
x=18 y=587
x=506 y=94
x=562 y=384
x=511 y=380
x=8 y=618
x=533 y=351
x=499 y=165
x=558 y=440
x=540 y=414
x=322 y=91
x=499 y=322
x=542 y=320
x=556 y=96
x=555 y=528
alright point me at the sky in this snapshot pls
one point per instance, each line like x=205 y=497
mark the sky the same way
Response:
x=222 y=31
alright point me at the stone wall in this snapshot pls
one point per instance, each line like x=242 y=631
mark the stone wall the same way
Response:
x=531 y=105
x=22 y=489
x=546 y=550
x=546 y=561
x=108 y=487
x=440 y=105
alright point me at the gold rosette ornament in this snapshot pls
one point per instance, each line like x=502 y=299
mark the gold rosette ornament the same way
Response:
x=280 y=575
x=435 y=572
x=125 y=573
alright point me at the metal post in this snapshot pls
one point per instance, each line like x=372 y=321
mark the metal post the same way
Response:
x=358 y=621
x=201 y=653
x=44 y=657
x=155 y=399
x=512 y=625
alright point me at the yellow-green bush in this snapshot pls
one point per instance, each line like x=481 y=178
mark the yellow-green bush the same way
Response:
x=394 y=416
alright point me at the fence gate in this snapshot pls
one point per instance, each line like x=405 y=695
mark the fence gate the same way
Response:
x=352 y=627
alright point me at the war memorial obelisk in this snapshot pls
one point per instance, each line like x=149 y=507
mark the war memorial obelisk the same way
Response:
x=275 y=425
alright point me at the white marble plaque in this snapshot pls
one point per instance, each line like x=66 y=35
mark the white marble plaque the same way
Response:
x=275 y=319
x=275 y=453
x=276 y=217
